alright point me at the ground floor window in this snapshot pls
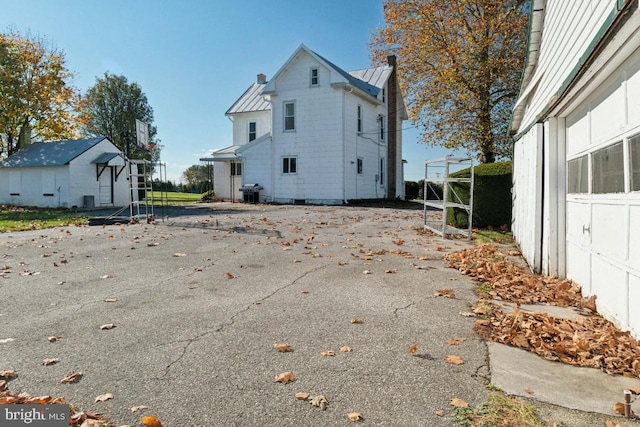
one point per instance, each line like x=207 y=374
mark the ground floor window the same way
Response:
x=382 y=168
x=608 y=169
x=359 y=166
x=289 y=165
x=634 y=162
x=236 y=169
x=579 y=175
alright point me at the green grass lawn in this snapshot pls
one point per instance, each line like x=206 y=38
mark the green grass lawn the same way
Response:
x=13 y=218
x=175 y=198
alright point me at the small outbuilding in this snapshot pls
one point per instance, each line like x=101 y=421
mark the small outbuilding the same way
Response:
x=63 y=174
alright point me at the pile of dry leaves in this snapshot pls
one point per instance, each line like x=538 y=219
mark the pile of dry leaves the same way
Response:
x=587 y=340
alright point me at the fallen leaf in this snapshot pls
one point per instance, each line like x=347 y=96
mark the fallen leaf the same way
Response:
x=355 y=416
x=52 y=361
x=355 y=320
x=328 y=353
x=71 y=377
x=458 y=402
x=230 y=276
x=138 y=408
x=7 y=375
x=283 y=348
x=179 y=255
x=106 y=276
x=440 y=413
x=467 y=314
x=609 y=423
x=453 y=359
x=153 y=244
x=54 y=338
x=618 y=408
x=345 y=349
x=634 y=390
x=528 y=391
x=319 y=401
x=391 y=271
x=455 y=341
x=104 y=397
x=150 y=421
x=93 y=423
x=6 y=340
x=110 y=299
x=3 y=385
x=448 y=293
x=285 y=377
x=412 y=348
x=107 y=326
x=302 y=395
x=366 y=272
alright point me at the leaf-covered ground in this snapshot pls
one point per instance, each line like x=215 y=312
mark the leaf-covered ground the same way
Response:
x=587 y=340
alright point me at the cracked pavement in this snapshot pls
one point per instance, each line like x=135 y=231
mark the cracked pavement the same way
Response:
x=203 y=296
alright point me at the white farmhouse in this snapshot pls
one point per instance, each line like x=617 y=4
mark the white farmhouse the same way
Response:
x=71 y=173
x=577 y=151
x=315 y=134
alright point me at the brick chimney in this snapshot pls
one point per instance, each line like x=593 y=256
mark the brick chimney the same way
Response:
x=262 y=79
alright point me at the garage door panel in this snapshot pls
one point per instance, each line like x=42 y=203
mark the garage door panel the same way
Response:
x=578 y=222
x=608 y=112
x=610 y=284
x=578 y=267
x=634 y=234
x=608 y=232
x=634 y=295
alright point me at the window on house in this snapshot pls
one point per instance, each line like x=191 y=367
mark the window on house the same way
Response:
x=359 y=166
x=381 y=121
x=252 y=131
x=236 y=169
x=314 y=77
x=578 y=175
x=608 y=169
x=634 y=162
x=383 y=96
x=382 y=171
x=289 y=165
x=289 y=116
x=359 y=118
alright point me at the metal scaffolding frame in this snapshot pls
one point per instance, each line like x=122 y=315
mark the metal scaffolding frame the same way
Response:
x=450 y=198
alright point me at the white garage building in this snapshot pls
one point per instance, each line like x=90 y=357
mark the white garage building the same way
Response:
x=577 y=151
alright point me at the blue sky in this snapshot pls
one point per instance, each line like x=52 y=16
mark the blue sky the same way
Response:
x=194 y=58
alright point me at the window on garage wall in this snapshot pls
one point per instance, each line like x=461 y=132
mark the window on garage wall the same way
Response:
x=608 y=169
x=579 y=175
x=634 y=162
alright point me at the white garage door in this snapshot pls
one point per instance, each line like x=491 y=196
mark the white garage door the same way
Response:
x=603 y=200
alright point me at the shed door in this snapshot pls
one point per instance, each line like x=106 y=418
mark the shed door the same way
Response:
x=106 y=182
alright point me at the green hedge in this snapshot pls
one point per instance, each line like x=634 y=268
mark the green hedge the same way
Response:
x=492 y=196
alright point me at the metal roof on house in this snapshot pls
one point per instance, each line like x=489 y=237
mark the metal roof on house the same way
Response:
x=374 y=76
x=251 y=100
x=55 y=153
x=227 y=153
x=364 y=86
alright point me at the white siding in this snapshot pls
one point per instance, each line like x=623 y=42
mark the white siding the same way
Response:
x=569 y=28
x=225 y=185
x=241 y=125
x=257 y=167
x=527 y=195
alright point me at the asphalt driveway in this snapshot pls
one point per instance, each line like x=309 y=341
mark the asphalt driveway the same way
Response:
x=199 y=300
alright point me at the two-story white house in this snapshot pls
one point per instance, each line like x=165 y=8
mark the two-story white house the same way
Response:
x=576 y=126
x=316 y=134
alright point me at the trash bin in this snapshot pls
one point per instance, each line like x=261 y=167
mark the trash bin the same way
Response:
x=251 y=193
x=88 y=202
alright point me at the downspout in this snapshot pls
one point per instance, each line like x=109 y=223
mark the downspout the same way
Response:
x=344 y=147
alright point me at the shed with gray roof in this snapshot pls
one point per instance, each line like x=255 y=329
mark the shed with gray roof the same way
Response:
x=70 y=173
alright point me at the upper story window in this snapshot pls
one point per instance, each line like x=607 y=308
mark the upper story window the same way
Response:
x=314 y=77
x=359 y=118
x=289 y=116
x=359 y=165
x=381 y=126
x=384 y=99
x=252 y=131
